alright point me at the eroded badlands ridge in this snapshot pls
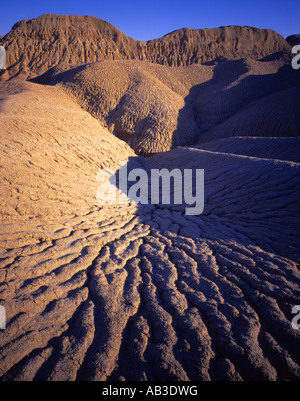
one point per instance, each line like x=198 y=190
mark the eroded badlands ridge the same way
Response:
x=155 y=108
x=35 y=45
x=141 y=292
x=145 y=292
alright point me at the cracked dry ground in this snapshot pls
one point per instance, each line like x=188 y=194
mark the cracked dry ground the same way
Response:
x=140 y=292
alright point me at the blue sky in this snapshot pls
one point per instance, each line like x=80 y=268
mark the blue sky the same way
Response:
x=144 y=20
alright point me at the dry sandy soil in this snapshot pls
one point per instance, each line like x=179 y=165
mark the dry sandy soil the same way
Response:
x=146 y=292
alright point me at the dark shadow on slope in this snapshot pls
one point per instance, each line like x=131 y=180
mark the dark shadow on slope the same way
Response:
x=241 y=240
x=237 y=247
x=230 y=195
x=218 y=99
x=208 y=104
x=59 y=73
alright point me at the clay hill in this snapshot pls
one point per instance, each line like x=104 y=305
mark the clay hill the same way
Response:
x=155 y=108
x=145 y=292
x=35 y=45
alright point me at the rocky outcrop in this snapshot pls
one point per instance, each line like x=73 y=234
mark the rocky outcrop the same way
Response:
x=35 y=45
x=188 y=46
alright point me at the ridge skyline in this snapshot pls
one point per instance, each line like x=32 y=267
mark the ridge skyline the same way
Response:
x=143 y=40
x=143 y=21
x=33 y=46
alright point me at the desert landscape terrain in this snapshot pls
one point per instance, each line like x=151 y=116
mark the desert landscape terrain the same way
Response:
x=144 y=292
